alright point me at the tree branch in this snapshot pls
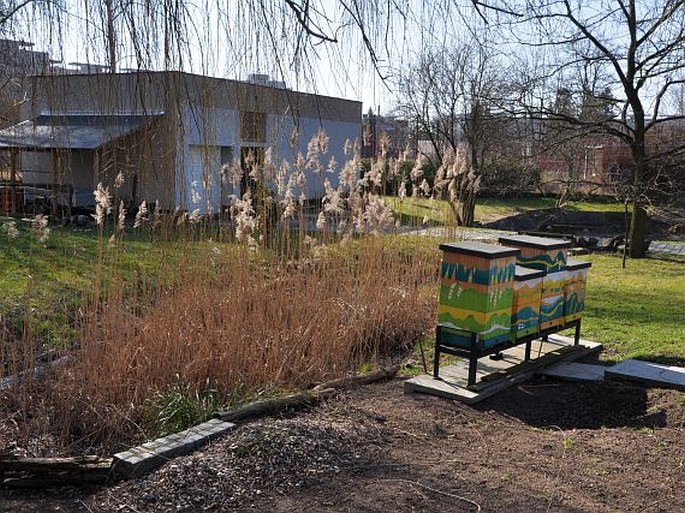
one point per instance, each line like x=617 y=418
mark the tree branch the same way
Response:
x=305 y=21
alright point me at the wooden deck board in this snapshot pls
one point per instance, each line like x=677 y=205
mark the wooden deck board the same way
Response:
x=493 y=376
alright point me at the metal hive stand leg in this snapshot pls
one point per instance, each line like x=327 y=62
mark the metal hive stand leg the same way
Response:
x=436 y=359
x=473 y=360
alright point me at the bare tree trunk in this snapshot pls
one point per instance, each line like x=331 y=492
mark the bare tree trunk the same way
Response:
x=111 y=36
x=637 y=244
x=13 y=182
x=468 y=208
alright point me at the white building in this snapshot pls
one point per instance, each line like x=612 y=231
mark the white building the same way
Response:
x=169 y=132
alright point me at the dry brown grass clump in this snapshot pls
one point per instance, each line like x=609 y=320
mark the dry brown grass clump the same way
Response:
x=273 y=305
x=240 y=323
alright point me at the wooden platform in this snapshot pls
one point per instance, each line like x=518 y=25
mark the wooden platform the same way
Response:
x=495 y=375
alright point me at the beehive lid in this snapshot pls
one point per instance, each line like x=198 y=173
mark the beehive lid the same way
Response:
x=530 y=241
x=480 y=249
x=573 y=265
x=526 y=273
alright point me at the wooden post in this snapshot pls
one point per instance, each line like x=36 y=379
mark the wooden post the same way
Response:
x=53 y=193
x=13 y=181
x=96 y=168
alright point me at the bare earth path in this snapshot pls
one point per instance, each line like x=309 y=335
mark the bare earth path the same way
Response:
x=537 y=447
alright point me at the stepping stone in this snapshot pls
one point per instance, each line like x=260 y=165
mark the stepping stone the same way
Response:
x=648 y=373
x=141 y=459
x=568 y=371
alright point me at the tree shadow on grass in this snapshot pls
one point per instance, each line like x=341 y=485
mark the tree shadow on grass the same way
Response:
x=577 y=405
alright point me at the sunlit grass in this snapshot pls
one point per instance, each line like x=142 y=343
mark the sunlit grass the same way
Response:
x=637 y=311
x=424 y=211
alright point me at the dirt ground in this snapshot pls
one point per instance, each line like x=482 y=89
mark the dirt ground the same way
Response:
x=541 y=446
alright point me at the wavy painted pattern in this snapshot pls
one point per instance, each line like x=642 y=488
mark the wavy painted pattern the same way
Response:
x=492 y=327
x=577 y=277
x=553 y=284
x=486 y=276
x=550 y=262
x=526 y=315
x=574 y=303
x=471 y=320
x=457 y=295
x=551 y=309
x=525 y=321
x=526 y=292
x=455 y=339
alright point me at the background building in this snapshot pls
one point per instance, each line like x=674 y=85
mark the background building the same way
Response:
x=170 y=133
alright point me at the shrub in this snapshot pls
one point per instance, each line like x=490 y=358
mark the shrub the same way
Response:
x=509 y=179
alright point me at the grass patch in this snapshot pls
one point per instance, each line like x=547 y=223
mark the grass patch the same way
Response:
x=170 y=328
x=46 y=284
x=431 y=212
x=636 y=312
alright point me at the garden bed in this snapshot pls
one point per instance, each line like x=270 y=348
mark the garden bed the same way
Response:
x=537 y=447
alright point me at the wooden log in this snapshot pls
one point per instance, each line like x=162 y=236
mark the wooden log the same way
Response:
x=305 y=398
x=276 y=405
x=59 y=479
x=52 y=465
x=37 y=472
x=365 y=379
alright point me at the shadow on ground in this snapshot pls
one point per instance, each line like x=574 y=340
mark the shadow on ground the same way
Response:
x=577 y=405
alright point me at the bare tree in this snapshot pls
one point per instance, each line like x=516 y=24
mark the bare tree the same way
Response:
x=640 y=45
x=450 y=93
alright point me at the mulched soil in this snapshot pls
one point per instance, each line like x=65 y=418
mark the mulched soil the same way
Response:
x=537 y=447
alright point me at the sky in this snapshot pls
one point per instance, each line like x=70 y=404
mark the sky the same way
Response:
x=234 y=38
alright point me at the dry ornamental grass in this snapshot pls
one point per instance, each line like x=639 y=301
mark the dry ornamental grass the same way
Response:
x=253 y=304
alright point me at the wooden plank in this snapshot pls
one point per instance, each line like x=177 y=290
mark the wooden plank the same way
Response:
x=648 y=373
x=571 y=371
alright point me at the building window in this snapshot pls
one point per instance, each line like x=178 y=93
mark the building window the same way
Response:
x=253 y=126
x=226 y=155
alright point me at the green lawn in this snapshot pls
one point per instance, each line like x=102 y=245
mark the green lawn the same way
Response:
x=638 y=311
x=415 y=211
x=46 y=283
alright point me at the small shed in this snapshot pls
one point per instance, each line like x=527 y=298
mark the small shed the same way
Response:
x=62 y=157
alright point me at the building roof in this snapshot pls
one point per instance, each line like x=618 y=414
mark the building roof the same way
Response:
x=71 y=131
x=146 y=91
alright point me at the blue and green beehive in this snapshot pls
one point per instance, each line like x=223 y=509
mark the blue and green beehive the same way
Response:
x=549 y=255
x=574 y=289
x=525 y=312
x=476 y=293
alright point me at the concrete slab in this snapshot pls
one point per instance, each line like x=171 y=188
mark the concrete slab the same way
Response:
x=571 y=371
x=139 y=460
x=648 y=373
x=493 y=376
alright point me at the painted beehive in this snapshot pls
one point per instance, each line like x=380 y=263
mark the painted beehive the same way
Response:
x=476 y=293
x=574 y=290
x=548 y=255
x=525 y=311
x=552 y=303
